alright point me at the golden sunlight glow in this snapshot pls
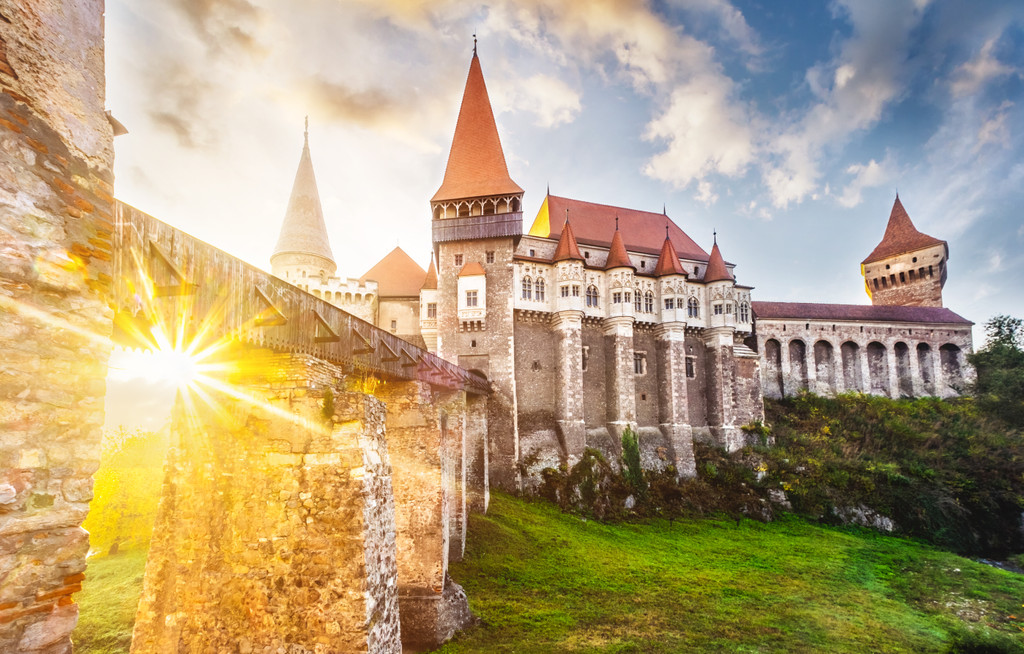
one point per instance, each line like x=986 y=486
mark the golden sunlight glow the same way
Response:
x=171 y=366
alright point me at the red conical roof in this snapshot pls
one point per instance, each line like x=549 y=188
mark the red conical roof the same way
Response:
x=567 y=246
x=617 y=257
x=476 y=163
x=668 y=261
x=716 y=272
x=304 y=230
x=430 y=281
x=900 y=236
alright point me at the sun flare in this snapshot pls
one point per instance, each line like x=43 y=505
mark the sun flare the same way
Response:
x=170 y=366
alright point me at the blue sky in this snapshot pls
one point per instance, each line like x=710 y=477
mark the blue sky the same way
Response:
x=788 y=127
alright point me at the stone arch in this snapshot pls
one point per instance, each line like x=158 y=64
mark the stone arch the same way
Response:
x=798 y=363
x=825 y=367
x=850 y=354
x=905 y=381
x=952 y=367
x=926 y=364
x=773 y=369
x=878 y=369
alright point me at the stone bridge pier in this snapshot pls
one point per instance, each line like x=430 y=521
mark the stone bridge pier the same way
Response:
x=276 y=524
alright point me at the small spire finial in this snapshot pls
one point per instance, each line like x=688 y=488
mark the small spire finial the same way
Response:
x=567 y=215
x=714 y=235
x=616 y=222
x=666 y=230
x=474 y=44
x=305 y=135
x=897 y=193
x=664 y=210
x=549 y=190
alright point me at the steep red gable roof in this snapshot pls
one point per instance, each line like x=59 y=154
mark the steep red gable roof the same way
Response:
x=397 y=275
x=668 y=261
x=900 y=236
x=642 y=231
x=617 y=257
x=716 y=271
x=567 y=247
x=471 y=268
x=430 y=281
x=476 y=162
x=855 y=312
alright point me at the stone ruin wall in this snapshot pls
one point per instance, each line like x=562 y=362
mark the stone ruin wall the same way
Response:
x=56 y=187
x=276 y=523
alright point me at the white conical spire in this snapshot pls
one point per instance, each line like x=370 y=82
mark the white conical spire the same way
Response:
x=304 y=231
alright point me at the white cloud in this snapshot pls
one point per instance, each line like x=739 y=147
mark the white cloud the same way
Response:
x=869 y=175
x=552 y=101
x=867 y=75
x=970 y=76
x=705 y=193
x=994 y=129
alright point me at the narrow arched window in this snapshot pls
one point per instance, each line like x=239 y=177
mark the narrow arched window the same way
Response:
x=591 y=296
x=637 y=302
x=527 y=288
x=745 y=313
x=538 y=289
x=692 y=308
x=649 y=302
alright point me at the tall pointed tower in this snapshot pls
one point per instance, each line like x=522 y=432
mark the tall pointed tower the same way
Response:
x=477 y=221
x=302 y=249
x=907 y=268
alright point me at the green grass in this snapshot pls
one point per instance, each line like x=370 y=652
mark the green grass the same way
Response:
x=545 y=581
x=107 y=603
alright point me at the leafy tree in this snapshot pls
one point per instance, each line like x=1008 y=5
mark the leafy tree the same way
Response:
x=632 y=467
x=999 y=387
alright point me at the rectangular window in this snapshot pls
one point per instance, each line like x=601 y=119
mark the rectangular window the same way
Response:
x=490 y=256
x=575 y=290
x=628 y=298
x=717 y=308
x=432 y=310
x=471 y=298
x=394 y=326
x=617 y=298
x=670 y=303
x=586 y=356
x=728 y=308
x=690 y=372
x=458 y=259
x=640 y=363
x=565 y=291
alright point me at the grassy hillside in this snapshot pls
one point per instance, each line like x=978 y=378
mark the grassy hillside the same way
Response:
x=545 y=581
x=107 y=603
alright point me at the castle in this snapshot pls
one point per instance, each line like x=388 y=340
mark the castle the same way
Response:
x=601 y=318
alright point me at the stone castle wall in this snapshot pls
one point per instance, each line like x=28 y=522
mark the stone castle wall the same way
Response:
x=276 y=524
x=489 y=350
x=56 y=203
x=913 y=279
x=890 y=359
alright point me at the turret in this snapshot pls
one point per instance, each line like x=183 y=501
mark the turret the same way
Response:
x=907 y=267
x=619 y=277
x=303 y=250
x=672 y=284
x=568 y=262
x=719 y=281
x=428 y=307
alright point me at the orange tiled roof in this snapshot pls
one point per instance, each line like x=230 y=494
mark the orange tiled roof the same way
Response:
x=642 y=231
x=617 y=257
x=668 y=261
x=716 y=271
x=471 y=268
x=397 y=275
x=430 y=281
x=900 y=236
x=476 y=163
x=567 y=247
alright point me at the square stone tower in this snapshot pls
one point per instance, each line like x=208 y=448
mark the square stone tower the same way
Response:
x=907 y=268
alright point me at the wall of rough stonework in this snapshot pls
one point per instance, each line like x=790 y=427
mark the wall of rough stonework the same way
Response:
x=56 y=156
x=478 y=489
x=276 y=525
x=426 y=432
x=594 y=411
x=645 y=384
x=912 y=279
x=490 y=349
x=833 y=357
x=696 y=386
